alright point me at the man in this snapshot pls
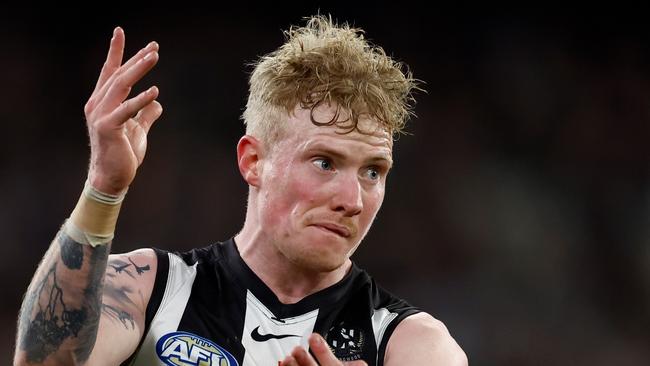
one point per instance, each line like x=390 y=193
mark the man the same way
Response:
x=320 y=120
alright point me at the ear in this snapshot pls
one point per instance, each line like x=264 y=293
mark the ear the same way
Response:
x=249 y=155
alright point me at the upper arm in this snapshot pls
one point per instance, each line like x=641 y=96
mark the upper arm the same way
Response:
x=421 y=339
x=127 y=288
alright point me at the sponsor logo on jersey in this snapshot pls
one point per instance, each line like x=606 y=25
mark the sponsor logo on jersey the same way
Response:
x=346 y=342
x=185 y=349
x=255 y=334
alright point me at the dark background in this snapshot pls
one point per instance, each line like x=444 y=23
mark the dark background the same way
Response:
x=518 y=211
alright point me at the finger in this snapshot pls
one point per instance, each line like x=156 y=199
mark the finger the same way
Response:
x=151 y=46
x=98 y=94
x=122 y=84
x=130 y=107
x=304 y=358
x=289 y=361
x=148 y=115
x=322 y=351
x=113 y=58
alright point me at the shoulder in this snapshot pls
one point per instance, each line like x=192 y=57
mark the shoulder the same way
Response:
x=421 y=339
x=134 y=270
x=135 y=261
x=126 y=292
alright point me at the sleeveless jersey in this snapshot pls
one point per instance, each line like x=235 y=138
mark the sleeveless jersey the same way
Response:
x=209 y=308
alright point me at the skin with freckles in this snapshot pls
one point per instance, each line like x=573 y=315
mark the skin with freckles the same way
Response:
x=313 y=196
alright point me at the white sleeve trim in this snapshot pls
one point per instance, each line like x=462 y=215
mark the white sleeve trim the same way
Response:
x=381 y=318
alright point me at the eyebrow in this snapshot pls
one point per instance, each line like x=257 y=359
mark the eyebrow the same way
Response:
x=319 y=146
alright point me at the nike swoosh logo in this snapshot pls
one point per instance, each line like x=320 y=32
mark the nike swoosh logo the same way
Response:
x=255 y=334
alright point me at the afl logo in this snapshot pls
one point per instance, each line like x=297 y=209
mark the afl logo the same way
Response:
x=185 y=349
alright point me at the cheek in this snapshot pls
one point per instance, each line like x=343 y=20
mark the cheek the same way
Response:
x=372 y=203
x=302 y=192
x=289 y=195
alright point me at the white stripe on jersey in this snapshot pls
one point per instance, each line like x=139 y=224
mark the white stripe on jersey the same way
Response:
x=282 y=335
x=171 y=309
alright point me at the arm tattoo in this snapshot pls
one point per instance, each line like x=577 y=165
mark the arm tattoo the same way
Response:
x=72 y=254
x=48 y=319
x=93 y=301
x=119 y=294
x=122 y=294
x=138 y=269
x=119 y=315
x=53 y=322
x=121 y=267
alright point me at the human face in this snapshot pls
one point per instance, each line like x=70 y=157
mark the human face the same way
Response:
x=320 y=190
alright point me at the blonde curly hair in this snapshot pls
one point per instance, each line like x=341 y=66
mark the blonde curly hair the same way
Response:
x=327 y=63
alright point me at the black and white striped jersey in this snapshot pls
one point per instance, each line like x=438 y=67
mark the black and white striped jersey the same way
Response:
x=209 y=308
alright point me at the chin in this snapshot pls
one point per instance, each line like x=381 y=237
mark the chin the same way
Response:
x=320 y=264
x=316 y=251
x=317 y=258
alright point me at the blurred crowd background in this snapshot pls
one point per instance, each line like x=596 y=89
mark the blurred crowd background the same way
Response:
x=518 y=211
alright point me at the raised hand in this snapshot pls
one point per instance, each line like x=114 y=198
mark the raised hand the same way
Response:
x=118 y=126
x=300 y=357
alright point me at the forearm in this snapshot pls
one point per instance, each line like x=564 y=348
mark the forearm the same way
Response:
x=61 y=309
x=60 y=313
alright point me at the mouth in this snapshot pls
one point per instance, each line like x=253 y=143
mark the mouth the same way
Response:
x=334 y=228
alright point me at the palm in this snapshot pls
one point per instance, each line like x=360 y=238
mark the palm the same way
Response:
x=133 y=146
x=137 y=139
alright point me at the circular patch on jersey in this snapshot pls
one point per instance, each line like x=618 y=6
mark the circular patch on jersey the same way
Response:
x=346 y=342
x=183 y=348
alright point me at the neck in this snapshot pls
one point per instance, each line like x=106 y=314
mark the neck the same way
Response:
x=288 y=281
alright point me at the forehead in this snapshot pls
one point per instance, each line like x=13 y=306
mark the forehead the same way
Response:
x=301 y=129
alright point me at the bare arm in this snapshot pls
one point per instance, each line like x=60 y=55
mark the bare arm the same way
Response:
x=60 y=312
x=422 y=340
x=60 y=315
x=79 y=310
x=128 y=285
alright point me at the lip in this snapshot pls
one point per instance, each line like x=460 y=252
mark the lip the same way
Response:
x=334 y=228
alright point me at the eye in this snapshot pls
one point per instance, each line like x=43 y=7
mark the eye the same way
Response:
x=373 y=173
x=324 y=164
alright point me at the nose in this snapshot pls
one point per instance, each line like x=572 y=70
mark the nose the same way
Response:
x=347 y=199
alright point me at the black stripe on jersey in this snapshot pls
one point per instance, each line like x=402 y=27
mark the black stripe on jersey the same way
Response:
x=215 y=308
x=158 y=287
